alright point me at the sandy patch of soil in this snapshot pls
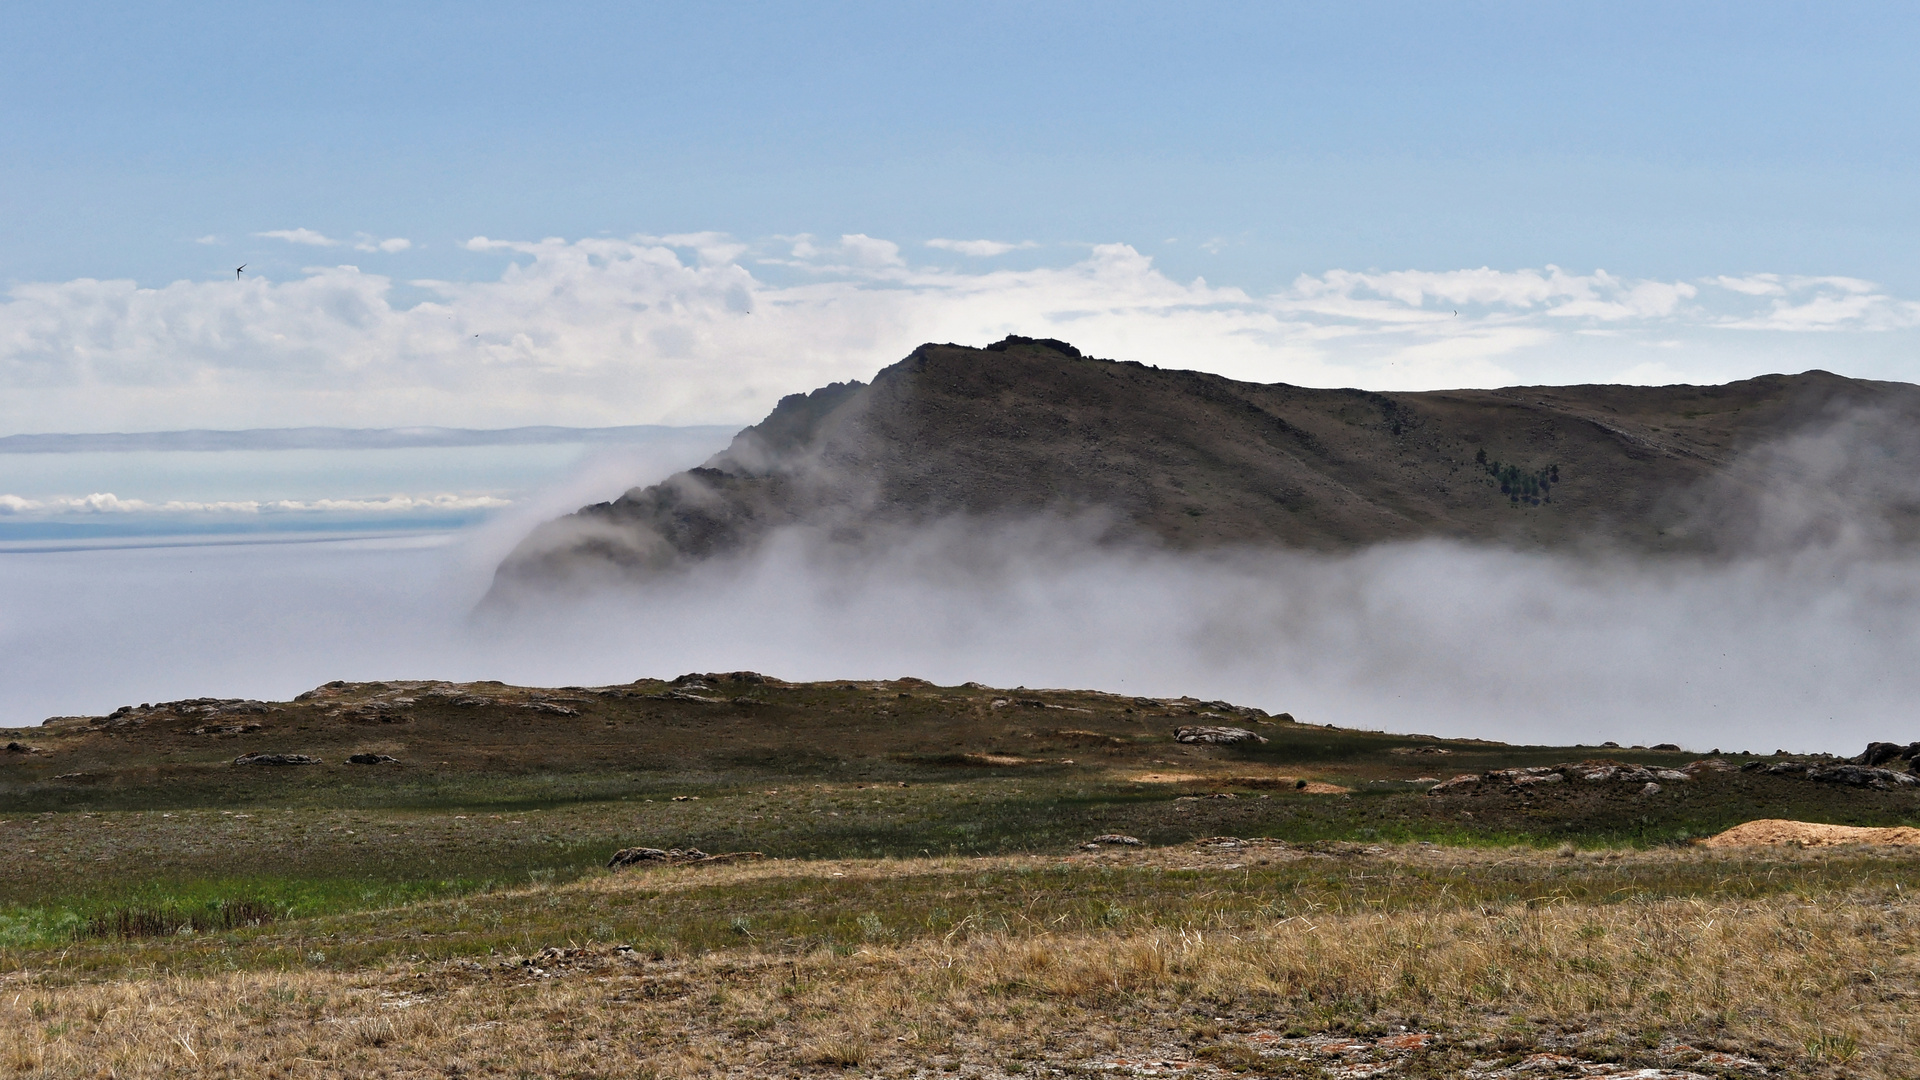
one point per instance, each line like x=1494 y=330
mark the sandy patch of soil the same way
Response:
x=1276 y=782
x=1811 y=834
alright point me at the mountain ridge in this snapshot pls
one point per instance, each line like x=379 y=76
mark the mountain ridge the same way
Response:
x=1189 y=460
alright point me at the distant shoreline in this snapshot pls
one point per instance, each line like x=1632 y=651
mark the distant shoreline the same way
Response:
x=327 y=438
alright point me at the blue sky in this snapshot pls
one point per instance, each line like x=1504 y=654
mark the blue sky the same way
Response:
x=486 y=215
x=1246 y=144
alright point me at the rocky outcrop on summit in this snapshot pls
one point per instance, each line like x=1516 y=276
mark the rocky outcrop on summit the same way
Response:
x=1887 y=753
x=1188 y=460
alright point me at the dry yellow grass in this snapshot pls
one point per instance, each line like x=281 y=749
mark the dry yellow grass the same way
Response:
x=1808 y=982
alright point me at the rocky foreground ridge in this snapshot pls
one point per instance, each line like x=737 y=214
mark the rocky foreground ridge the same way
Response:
x=1188 y=460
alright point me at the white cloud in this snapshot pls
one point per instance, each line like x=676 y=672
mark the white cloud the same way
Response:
x=360 y=241
x=681 y=329
x=1752 y=284
x=1599 y=295
x=300 y=236
x=980 y=249
x=854 y=253
x=867 y=251
x=207 y=239
x=1805 y=304
x=713 y=248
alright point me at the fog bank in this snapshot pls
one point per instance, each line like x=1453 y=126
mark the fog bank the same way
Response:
x=1805 y=651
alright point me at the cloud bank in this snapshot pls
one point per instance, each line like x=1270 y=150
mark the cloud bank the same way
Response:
x=707 y=328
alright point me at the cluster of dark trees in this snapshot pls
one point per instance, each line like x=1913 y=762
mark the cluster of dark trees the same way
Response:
x=1530 y=487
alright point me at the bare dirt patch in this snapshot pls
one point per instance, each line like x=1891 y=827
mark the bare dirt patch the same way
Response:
x=1775 y=831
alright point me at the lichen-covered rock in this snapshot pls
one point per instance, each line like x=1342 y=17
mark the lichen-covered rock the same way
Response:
x=1217 y=736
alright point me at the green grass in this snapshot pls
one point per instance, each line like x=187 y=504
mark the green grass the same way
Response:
x=684 y=912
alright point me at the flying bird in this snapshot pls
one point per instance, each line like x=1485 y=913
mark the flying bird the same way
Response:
x=237 y=269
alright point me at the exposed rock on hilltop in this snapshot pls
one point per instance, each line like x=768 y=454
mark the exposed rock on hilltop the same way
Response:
x=1191 y=460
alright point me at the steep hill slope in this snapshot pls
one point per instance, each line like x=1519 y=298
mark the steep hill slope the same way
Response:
x=1191 y=460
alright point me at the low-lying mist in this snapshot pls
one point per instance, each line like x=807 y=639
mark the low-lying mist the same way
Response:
x=1806 y=650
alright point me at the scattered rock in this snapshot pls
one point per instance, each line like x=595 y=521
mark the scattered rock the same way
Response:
x=1112 y=839
x=1851 y=775
x=682 y=695
x=372 y=759
x=1588 y=771
x=1217 y=736
x=1665 y=746
x=636 y=856
x=562 y=710
x=1419 y=750
x=1226 y=842
x=1651 y=789
x=1861 y=776
x=23 y=748
x=633 y=855
x=378 y=712
x=276 y=759
x=226 y=729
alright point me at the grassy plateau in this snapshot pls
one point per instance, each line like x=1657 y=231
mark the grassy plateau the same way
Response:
x=921 y=896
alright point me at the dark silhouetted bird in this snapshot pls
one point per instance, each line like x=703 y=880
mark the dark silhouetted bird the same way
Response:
x=237 y=269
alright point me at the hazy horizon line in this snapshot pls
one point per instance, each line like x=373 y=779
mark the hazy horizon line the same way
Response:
x=334 y=438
